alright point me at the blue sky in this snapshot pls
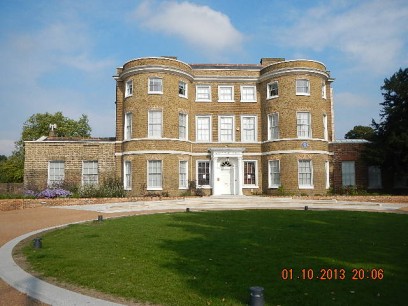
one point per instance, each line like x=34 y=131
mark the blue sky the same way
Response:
x=61 y=55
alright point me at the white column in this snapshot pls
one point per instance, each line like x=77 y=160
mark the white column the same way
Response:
x=239 y=176
x=214 y=175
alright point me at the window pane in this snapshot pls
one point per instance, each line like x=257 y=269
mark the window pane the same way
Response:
x=154 y=174
x=90 y=172
x=56 y=172
x=129 y=88
x=225 y=93
x=248 y=129
x=155 y=123
x=274 y=173
x=182 y=89
x=155 y=85
x=183 y=181
x=348 y=173
x=273 y=89
x=273 y=126
x=128 y=126
x=302 y=86
x=128 y=176
x=305 y=173
x=182 y=126
x=303 y=125
x=248 y=93
x=226 y=128
x=203 y=172
x=203 y=93
x=249 y=173
x=203 y=128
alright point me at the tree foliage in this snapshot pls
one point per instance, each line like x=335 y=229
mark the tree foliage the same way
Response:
x=389 y=147
x=39 y=124
x=12 y=168
x=360 y=132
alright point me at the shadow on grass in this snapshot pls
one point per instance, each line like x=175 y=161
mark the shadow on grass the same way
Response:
x=232 y=251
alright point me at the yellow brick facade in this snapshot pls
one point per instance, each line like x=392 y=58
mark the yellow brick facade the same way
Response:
x=288 y=148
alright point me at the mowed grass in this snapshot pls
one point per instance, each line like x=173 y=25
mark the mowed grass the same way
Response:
x=212 y=258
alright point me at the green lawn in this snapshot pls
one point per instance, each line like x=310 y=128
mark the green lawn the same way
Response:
x=212 y=258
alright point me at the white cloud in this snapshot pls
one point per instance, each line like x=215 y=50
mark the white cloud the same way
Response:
x=200 y=26
x=371 y=34
x=40 y=69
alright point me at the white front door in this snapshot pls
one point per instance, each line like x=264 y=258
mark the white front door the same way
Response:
x=226 y=180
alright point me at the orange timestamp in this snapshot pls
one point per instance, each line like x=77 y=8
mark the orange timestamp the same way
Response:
x=332 y=274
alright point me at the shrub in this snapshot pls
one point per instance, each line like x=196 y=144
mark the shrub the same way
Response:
x=51 y=193
x=109 y=189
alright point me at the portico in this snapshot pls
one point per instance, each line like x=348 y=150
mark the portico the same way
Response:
x=226 y=171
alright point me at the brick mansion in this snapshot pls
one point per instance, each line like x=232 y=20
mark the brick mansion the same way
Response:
x=232 y=129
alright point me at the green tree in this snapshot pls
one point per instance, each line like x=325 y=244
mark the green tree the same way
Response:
x=360 y=132
x=389 y=148
x=12 y=169
x=39 y=124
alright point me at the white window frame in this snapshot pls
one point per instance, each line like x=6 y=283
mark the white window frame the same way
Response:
x=128 y=126
x=301 y=179
x=243 y=129
x=374 y=177
x=301 y=89
x=158 y=184
x=348 y=173
x=208 y=92
x=301 y=132
x=182 y=86
x=183 y=126
x=327 y=172
x=273 y=126
x=129 y=88
x=150 y=125
x=244 y=95
x=90 y=175
x=220 y=129
x=255 y=162
x=53 y=177
x=271 y=183
x=268 y=90
x=324 y=90
x=151 y=83
x=325 y=128
x=127 y=175
x=197 y=119
x=209 y=174
x=222 y=97
x=183 y=176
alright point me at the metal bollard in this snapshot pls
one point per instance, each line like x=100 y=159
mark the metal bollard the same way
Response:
x=187 y=209
x=256 y=296
x=37 y=243
x=306 y=207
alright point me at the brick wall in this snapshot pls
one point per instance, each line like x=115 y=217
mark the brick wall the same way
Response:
x=38 y=154
x=349 y=150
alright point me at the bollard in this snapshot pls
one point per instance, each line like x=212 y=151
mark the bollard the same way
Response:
x=100 y=218
x=37 y=243
x=187 y=209
x=306 y=207
x=256 y=296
